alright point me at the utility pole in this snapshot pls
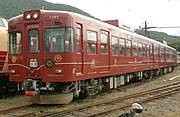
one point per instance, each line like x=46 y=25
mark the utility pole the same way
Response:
x=146 y=32
x=145 y=28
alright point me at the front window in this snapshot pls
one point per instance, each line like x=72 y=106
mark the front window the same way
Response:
x=59 y=40
x=15 y=43
x=1 y=23
x=33 y=41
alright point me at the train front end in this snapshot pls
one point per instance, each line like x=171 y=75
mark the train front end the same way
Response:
x=41 y=46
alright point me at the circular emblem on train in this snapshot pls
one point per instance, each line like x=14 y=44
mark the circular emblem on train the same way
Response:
x=92 y=63
x=49 y=63
x=14 y=59
x=57 y=57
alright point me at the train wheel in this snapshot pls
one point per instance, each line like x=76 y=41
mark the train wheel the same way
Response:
x=150 y=74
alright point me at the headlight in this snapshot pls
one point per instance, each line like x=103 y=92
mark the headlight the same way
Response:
x=28 y=16
x=12 y=71
x=58 y=71
x=35 y=16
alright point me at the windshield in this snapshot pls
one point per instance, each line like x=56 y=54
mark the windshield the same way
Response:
x=59 y=40
x=1 y=23
x=15 y=43
x=33 y=41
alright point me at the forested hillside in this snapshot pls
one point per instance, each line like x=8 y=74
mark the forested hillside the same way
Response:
x=11 y=8
x=173 y=41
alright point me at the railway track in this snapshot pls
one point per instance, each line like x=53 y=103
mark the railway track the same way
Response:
x=113 y=104
x=14 y=108
x=107 y=106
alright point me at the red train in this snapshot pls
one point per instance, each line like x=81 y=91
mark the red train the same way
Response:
x=58 y=55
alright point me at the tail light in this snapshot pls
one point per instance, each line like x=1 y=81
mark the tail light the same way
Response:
x=30 y=93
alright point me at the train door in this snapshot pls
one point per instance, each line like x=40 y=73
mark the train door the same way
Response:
x=33 y=53
x=79 y=58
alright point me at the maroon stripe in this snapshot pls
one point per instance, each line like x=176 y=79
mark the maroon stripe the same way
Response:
x=3 y=55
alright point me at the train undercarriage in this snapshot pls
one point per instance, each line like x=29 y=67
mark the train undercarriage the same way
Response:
x=6 y=86
x=63 y=93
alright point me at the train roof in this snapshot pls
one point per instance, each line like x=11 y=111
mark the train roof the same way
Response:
x=104 y=24
x=117 y=28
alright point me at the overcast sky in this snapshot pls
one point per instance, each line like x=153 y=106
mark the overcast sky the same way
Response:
x=158 y=13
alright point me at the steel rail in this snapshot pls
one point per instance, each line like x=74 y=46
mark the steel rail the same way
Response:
x=167 y=93
x=155 y=90
x=14 y=108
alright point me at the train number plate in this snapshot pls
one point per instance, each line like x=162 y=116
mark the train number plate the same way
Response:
x=33 y=63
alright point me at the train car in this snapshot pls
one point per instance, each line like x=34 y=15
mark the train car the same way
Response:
x=4 y=81
x=178 y=58
x=57 y=55
x=5 y=85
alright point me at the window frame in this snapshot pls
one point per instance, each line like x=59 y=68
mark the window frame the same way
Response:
x=130 y=48
x=124 y=52
x=2 y=23
x=29 y=41
x=135 y=49
x=78 y=39
x=140 y=49
x=107 y=35
x=63 y=49
x=10 y=43
x=96 y=42
x=116 y=45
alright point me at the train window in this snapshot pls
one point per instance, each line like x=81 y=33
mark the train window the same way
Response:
x=151 y=50
x=33 y=41
x=155 y=51
x=147 y=51
x=69 y=40
x=15 y=43
x=1 y=23
x=135 y=52
x=114 y=43
x=59 y=40
x=162 y=51
x=91 y=42
x=104 y=41
x=144 y=50
x=122 y=46
x=140 y=49
x=78 y=30
x=128 y=48
x=168 y=53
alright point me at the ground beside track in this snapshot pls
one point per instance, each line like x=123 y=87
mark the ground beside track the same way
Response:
x=166 y=107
